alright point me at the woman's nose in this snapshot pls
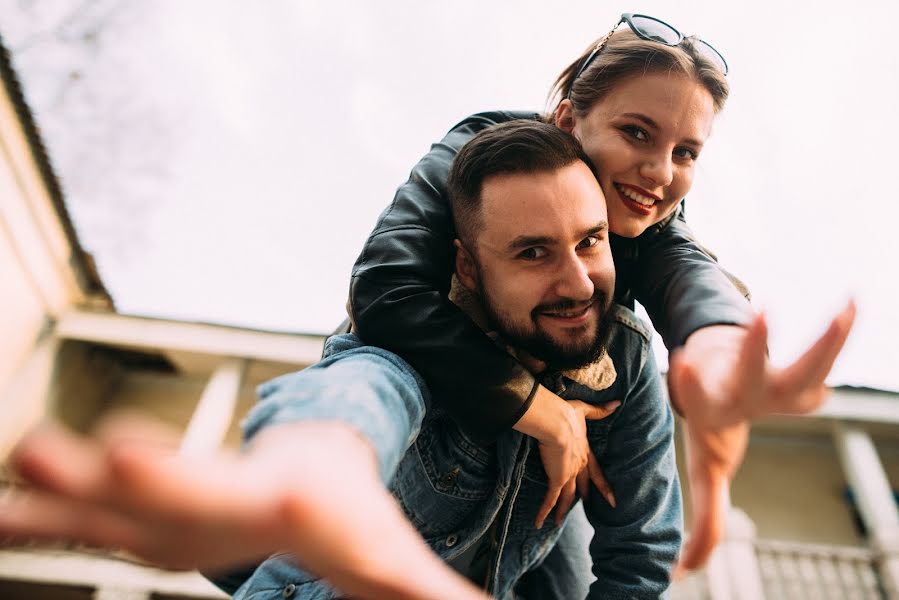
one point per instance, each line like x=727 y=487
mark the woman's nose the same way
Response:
x=658 y=169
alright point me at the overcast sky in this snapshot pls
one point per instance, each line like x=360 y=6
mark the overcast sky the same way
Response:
x=292 y=123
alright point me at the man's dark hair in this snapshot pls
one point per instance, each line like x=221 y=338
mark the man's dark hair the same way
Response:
x=521 y=146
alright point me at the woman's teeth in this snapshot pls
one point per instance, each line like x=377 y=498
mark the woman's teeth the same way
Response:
x=635 y=196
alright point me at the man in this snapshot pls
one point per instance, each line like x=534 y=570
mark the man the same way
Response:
x=533 y=254
x=534 y=259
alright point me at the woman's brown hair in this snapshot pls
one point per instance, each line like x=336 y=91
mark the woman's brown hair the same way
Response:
x=625 y=54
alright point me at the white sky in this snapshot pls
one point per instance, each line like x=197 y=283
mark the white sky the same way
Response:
x=299 y=119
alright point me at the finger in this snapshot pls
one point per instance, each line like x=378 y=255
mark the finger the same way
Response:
x=748 y=383
x=599 y=480
x=548 y=502
x=47 y=517
x=583 y=482
x=161 y=485
x=596 y=411
x=708 y=506
x=685 y=388
x=811 y=369
x=53 y=459
x=566 y=499
x=128 y=426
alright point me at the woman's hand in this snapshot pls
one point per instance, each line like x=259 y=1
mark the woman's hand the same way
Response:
x=719 y=381
x=722 y=375
x=560 y=428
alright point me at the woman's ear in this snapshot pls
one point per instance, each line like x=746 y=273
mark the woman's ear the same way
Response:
x=564 y=116
x=466 y=270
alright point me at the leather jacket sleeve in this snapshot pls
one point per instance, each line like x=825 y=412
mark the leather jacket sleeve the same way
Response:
x=398 y=297
x=678 y=281
x=398 y=293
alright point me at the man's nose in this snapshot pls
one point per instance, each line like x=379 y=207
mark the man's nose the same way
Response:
x=658 y=168
x=574 y=279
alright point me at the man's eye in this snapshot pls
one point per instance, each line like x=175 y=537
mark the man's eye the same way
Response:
x=533 y=253
x=588 y=242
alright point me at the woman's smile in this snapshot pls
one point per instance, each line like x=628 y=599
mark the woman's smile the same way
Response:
x=636 y=198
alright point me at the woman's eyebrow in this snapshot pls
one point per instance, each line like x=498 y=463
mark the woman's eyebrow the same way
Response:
x=641 y=117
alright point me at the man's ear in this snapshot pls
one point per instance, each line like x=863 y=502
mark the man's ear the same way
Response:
x=466 y=270
x=564 y=117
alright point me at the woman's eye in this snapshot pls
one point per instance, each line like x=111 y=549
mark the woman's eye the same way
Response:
x=533 y=253
x=636 y=132
x=686 y=153
x=588 y=242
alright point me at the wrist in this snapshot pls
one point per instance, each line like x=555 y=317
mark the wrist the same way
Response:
x=548 y=419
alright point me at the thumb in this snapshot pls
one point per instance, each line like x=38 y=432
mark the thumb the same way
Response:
x=681 y=380
x=596 y=411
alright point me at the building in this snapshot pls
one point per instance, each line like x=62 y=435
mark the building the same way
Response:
x=814 y=508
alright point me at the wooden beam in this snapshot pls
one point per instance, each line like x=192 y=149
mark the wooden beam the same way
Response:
x=857 y=405
x=79 y=569
x=874 y=498
x=215 y=410
x=217 y=340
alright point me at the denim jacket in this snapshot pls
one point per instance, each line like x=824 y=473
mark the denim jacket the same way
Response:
x=453 y=487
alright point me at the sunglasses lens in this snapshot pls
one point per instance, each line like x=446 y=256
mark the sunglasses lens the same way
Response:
x=655 y=30
x=712 y=55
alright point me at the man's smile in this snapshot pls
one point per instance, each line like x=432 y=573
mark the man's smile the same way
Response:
x=569 y=316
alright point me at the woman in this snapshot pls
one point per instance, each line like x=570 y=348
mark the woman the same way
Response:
x=641 y=101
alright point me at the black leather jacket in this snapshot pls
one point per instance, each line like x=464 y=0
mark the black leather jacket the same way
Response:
x=398 y=294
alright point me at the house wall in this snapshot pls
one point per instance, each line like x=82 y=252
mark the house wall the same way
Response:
x=36 y=259
x=792 y=485
x=22 y=318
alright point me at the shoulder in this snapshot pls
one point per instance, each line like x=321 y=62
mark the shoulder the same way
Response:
x=626 y=323
x=483 y=120
x=630 y=342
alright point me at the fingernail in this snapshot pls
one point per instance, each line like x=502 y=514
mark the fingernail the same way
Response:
x=614 y=404
x=539 y=524
x=610 y=498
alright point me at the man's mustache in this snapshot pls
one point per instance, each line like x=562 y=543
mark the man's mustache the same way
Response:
x=568 y=304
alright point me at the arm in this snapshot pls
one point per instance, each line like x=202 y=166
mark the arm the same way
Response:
x=398 y=298
x=635 y=544
x=719 y=375
x=219 y=511
x=681 y=285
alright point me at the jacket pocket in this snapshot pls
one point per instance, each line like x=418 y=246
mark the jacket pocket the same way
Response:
x=444 y=478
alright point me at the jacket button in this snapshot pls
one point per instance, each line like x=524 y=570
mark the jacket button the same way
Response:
x=451 y=540
x=448 y=479
x=289 y=590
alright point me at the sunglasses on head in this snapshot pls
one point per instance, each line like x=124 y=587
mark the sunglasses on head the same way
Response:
x=655 y=30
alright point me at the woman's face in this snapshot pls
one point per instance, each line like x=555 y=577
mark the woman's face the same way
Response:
x=644 y=137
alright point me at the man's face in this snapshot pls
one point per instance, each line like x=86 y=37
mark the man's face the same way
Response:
x=542 y=265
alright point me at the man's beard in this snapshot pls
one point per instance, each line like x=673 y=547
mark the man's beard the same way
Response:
x=558 y=356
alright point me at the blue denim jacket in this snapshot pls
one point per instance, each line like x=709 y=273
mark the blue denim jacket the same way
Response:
x=453 y=486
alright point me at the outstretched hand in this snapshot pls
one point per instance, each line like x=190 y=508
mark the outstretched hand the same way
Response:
x=222 y=510
x=719 y=381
